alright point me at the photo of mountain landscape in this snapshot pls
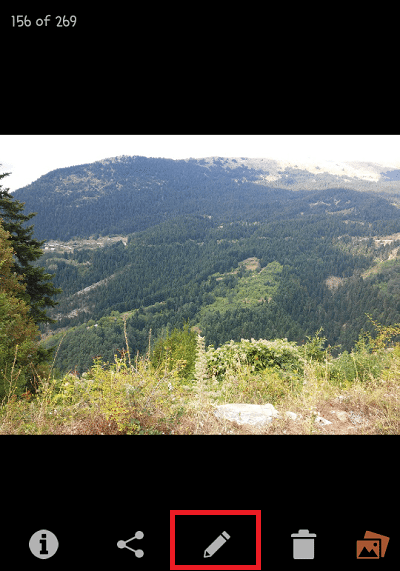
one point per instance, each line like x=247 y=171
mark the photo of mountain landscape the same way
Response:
x=163 y=269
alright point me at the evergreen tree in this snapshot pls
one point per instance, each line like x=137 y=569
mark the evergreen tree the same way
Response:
x=18 y=332
x=39 y=289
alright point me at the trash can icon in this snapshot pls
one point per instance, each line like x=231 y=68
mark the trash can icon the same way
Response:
x=303 y=544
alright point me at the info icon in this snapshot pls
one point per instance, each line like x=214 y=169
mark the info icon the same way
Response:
x=43 y=544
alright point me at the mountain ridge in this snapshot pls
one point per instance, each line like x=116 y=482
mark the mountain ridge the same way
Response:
x=128 y=194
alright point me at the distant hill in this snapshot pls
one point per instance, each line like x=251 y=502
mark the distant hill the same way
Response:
x=238 y=247
x=122 y=195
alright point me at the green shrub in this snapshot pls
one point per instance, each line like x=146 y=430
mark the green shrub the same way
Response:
x=259 y=354
x=177 y=349
x=313 y=349
x=359 y=365
x=270 y=385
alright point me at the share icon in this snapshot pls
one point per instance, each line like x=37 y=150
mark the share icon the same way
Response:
x=138 y=552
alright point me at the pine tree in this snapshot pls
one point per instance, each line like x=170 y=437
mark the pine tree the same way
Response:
x=18 y=332
x=39 y=289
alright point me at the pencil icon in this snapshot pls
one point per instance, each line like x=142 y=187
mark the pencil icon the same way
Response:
x=215 y=545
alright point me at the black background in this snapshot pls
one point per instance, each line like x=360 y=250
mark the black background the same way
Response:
x=92 y=492
x=88 y=536
x=117 y=74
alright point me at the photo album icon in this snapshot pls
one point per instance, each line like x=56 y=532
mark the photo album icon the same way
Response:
x=373 y=546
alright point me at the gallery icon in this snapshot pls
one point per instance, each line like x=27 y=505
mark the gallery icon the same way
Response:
x=373 y=546
x=43 y=544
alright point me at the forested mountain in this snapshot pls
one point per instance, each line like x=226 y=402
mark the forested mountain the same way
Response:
x=215 y=243
x=124 y=194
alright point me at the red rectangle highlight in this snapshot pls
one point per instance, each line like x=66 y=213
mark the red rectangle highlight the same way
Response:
x=257 y=513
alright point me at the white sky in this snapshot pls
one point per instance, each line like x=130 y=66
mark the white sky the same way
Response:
x=28 y=157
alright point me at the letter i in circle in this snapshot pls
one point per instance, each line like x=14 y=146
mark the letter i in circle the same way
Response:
x=43 y=550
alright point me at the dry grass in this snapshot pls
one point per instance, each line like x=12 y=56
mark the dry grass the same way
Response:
x=363 y=408
x=138 y=399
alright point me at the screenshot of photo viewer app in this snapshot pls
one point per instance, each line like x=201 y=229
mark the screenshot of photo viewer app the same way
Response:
x=215 y=539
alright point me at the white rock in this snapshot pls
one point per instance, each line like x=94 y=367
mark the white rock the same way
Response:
x=256 y=414
x=247 y=413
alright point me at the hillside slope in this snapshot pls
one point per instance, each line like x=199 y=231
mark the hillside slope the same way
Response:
x=238 y=247
x=318 y=263
x=122 y=195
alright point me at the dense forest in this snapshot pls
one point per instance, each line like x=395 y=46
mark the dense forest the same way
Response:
x=130 y=194
x=209 y=244
x=124 y=194
x=193 y=269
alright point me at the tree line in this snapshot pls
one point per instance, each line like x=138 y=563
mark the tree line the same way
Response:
x=26 y=290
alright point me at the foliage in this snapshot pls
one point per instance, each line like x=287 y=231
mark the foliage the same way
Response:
x=35 y=295
x=119 y=398
x=384 y=336
x=126 y=398
x=355 y=366
x=270 y=385
x=162 y=278
x=104 y=392
x=258 y=354
x=176 y=349
x=368 y=359
x=242 y=289
x=18 y=332
x=39 y=290
x=201 y=371
x=313 y=348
